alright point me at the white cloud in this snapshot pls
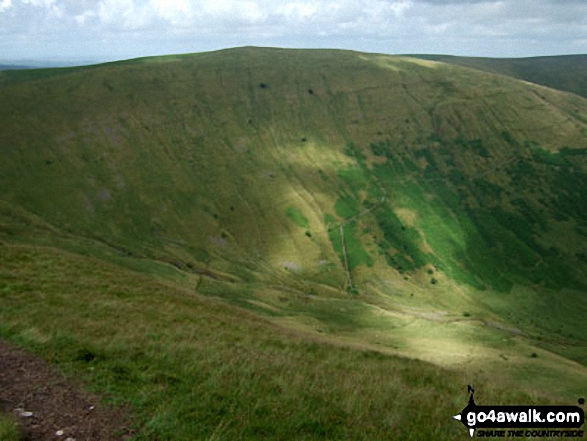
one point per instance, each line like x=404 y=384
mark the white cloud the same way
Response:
x=297 y=11
x=175 y=12
x=84 y=16
x=42 y=3
x=360 y=24
x=125 y=15
x=233 y=12
x=5 y=4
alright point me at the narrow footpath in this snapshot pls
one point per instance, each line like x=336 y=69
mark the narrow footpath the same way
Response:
x=48 y=406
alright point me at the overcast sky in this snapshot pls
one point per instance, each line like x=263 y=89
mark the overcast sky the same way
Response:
x=101 y=30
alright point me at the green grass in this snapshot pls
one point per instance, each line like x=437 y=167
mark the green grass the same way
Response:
x=145 y=181
x=137 y=159
x=193 y=368
x=356 y=253
x=9 y=429
x=355 y=177
x=564 y=72
x=297 y=217
x=346 y=207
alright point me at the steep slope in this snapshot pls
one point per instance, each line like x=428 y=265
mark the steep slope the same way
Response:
x=237 y=156
x=562 y=72
x=403 y=204
x=195 y=368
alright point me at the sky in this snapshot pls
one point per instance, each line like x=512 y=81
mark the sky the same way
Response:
x=106 y=30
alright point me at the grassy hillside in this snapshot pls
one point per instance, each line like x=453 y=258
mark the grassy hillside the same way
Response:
x=350 y=202
x=196 y=368
x=562 y=72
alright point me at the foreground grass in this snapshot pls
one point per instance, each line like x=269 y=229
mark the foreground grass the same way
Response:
x=8 y=429
x=195 y=368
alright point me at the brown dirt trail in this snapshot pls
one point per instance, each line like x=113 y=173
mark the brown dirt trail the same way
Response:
x=48 y=406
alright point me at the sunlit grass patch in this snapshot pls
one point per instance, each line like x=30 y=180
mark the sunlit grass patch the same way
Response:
x=193 y=367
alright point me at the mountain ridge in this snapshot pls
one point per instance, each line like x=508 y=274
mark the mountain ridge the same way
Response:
x=561 y=72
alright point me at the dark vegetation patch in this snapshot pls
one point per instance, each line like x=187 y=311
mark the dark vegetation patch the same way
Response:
x=475 y=145
x=356 y=253
x=18 y=76
x=399 y=244
x=382 y=148
x=501 y=219
x=323 y=175
x=487 y=189
x=509 y=138
x=354 y=151
x=347 y=207
x=357 y=178
x=334 y=234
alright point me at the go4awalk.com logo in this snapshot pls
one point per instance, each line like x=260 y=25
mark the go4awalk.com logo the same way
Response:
x=522 y=421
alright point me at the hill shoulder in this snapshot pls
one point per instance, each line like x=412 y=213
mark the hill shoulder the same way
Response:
x=562 y=72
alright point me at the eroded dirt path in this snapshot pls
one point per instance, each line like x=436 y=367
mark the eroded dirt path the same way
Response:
x=50 y=407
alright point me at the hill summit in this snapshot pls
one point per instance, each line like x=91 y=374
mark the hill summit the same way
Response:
x=247 y=161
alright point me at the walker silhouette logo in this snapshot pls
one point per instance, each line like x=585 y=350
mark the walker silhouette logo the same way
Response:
x=522 y=421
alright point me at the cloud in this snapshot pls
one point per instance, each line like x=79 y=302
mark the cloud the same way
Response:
x=453 y=2
x=5 y=4
x=450 y=26
x=84 y=17
x=122 y=14
x=41 y=3
x=175 y=12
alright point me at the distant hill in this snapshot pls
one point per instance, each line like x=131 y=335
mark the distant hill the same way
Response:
x=563 y=72
x=12 y=67
x=16 y=64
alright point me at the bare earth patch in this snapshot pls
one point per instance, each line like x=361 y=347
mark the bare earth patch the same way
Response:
x=50 y=407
